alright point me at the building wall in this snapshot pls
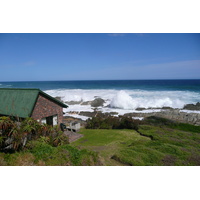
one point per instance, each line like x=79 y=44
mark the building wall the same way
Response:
x=45 y=108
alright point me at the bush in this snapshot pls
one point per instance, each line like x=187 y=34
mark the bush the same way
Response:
x=110 y=122
x=128 y=123
x=41 y=150
x=153 y=120
x=159 y=121
x=15 y=135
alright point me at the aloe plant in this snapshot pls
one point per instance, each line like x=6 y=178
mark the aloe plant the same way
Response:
x=14 y=135
x=5 y=124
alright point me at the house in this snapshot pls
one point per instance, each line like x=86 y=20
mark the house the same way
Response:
x=33 y=103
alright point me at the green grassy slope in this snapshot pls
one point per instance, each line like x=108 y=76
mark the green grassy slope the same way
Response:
x=108 y=142
x=43 y=154
x=127 y=147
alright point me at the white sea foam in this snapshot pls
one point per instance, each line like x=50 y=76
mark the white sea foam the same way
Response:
x=84 y=118
x=146 y=99
x=80 y=95
x=125 y=101
x=139 y=118
x=78 y=108
x=124 y=111
x=191 y=111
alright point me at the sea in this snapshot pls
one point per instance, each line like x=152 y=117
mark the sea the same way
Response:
x=120 y=96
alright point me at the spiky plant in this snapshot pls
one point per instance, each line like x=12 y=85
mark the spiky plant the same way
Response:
x=14 y=131
x=5 y=124
x=44 y=139
x=19 y=141
x=60 y=140
x=44 y=129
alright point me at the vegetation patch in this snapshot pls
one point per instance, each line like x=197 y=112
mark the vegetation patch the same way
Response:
x=30 y=143
x=110 y=122
x=159 y=121
x=108 y=142
x=157 y=146
x=44 y=154
x=155 y=142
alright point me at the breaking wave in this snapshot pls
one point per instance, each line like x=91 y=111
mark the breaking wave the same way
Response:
x=129 y=99
x=124 y=101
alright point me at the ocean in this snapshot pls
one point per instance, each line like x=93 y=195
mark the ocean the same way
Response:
x=121 y=96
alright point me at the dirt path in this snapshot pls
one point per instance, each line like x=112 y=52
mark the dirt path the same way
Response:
x=73 y=136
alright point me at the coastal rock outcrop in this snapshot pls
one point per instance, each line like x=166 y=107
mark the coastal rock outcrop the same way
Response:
x=172 y=114
x=97 y=102
x=73 y=102
x=192 y=106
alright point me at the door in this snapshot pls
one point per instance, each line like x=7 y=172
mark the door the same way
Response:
x=50 y=120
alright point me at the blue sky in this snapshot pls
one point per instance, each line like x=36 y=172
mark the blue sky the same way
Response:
x=67 y=56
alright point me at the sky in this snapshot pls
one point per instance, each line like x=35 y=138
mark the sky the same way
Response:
x=99 y=56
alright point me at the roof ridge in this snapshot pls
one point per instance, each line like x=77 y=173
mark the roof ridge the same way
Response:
x=53 y=99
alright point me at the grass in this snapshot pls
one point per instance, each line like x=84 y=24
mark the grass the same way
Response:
x=43 y=154
x=159 y=121
x=108 y=142
x=158 y=142
x=181 y=147
x=167 y=146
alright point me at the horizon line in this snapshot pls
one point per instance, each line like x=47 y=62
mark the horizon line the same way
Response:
x=106 y=80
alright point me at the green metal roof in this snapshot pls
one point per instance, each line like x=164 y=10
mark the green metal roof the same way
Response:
x=20 y=102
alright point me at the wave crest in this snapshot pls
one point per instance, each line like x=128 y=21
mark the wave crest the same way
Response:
x=129 y=99
x=123 y=100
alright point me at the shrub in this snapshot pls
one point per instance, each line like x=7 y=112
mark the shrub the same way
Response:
x=80 y=157
x=110 y=122
x=128 y=123
x=159 y=121
x=15 y=135
x=153 y=120
x=40 y=149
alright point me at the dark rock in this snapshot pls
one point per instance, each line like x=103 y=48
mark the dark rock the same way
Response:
x=192 y=106
x=166 y=107
x=97 y=102
x=140 y=109
x=113 y=113
x=73 y=102
x=86 y=103
x=87 y=114
x=151 y=108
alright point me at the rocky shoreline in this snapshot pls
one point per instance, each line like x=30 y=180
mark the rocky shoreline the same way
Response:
x=172 y=114
x=190 y=113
